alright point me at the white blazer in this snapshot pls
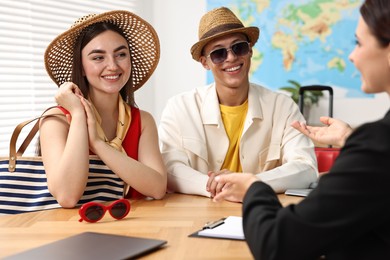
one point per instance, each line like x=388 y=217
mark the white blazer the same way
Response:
x=193 y=141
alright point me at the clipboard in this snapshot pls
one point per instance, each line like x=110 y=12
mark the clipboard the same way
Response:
x=224 y=228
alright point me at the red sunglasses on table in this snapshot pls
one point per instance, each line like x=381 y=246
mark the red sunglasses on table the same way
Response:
x=93 y=211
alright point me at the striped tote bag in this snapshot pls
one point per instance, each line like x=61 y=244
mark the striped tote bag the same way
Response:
x=23 y=184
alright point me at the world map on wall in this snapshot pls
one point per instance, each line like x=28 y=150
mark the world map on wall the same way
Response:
x=307 y=41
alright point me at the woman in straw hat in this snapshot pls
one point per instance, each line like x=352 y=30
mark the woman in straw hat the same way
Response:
x=232 y=125
x=98 y=64
x=347 y=215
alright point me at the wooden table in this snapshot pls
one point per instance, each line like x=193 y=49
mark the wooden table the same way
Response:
x=172 y=219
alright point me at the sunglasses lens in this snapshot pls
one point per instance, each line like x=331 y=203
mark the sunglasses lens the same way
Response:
x=94 y=213
x=218 y=56
x=119 y=210
x=241 y=48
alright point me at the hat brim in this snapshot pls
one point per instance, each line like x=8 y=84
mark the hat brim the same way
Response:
x=143 y=42
x=252 y=33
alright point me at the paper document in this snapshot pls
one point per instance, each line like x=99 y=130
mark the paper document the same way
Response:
x=230 y=227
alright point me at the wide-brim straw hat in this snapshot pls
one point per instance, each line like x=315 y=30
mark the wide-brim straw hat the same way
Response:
x=143 y=43
x=219 y=22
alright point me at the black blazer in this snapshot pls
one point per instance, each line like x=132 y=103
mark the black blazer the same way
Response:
x=346 y=217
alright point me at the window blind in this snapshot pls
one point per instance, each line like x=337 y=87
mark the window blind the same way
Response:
x=26 y=28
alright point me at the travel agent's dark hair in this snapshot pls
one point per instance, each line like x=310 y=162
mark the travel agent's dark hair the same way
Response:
x=376 y=14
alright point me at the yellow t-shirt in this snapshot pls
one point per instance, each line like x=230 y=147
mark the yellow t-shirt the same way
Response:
x=233 y=119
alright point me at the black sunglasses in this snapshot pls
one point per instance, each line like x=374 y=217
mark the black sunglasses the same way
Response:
x=220 y=55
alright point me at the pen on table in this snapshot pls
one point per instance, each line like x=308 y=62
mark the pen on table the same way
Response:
x=214 y=224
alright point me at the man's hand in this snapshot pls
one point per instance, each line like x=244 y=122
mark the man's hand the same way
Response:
x=234 y=185
x=212 y=186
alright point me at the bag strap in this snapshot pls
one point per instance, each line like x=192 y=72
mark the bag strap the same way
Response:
x=12 y=145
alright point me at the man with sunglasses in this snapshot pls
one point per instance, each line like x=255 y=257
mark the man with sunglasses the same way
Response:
x=232 y=125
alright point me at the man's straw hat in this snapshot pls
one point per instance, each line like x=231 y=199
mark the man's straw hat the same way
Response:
x=219 y=22
x=143 y=43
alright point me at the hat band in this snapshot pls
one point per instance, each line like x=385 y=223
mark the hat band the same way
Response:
x=220 y=29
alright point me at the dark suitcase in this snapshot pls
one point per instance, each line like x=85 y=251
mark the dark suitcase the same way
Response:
x=325 y=155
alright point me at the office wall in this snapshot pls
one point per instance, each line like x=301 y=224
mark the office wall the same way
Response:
x=176 y=22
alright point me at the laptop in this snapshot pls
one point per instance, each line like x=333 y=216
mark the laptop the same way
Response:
x=90 y=245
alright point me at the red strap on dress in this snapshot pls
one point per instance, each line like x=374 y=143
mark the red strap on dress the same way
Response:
x=130 y=144
x=66 y=112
